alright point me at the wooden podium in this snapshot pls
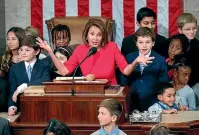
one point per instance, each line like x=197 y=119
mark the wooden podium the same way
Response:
x=78 y=109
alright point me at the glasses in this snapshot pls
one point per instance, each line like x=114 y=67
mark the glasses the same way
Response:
x=190 y=29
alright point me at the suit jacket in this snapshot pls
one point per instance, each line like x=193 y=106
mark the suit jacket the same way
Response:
x=4 y=127
x=143 y=86
x=119 y=133
x=17 y=76
x=129 y=45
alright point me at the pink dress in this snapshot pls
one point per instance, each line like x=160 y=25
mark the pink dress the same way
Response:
x=102 y=64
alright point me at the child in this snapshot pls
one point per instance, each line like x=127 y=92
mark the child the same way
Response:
x=60 y=35
x=109 y=112
x=166 y=97
x=146 y=17
x=177 y=45
x=149 y=69
x=62 y=54
x=187 y=25
x=31 y=71
x=14 y=38
x=56 y=127
x=181 y=75
x=159 y=130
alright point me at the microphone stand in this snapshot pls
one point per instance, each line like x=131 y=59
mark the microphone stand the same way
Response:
x=73 y=81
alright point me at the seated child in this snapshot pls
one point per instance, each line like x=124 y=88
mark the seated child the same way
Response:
x=159 y=130
x=31 y=71
x=149 y=69
x=182 y=71
x=177 y=45
x=60 y=35
x=109 y=112
x=56 y=127
x=62 y=54
x=166 y=97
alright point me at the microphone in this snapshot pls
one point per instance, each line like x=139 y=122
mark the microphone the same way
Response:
x=92 y=51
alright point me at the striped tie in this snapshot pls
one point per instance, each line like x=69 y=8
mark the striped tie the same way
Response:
x=141 y=67
x=29 y=70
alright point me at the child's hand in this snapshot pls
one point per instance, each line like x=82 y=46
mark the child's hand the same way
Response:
x=183 y=108
x=44 y=45
x=14 y=96
x=12 y=111
x=170 y=111
x=144 y=60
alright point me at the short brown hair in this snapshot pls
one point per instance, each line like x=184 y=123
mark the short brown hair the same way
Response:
x=30 y=41
x=98 y=23
x=186 y=18
x=113 y=106
x=32 y=31
x=145 y=32
x=159 y=130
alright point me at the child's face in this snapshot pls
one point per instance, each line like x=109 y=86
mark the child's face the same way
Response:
x=189 y=30
x=147 y=22
x=182 y=75
x=12 y=41
x=175 y=48
x=144 y=44
x=94 y=37
x=61 y=39
x=62 y=58
x=168 y=97
x=28 y=54
x=105 y=117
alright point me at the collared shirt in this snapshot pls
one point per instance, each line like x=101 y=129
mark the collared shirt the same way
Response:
x=31 y=64
x=114 y=132
x=159 y=107
x=141 y=64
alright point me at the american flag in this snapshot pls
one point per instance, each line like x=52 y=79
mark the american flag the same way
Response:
x=122 y=11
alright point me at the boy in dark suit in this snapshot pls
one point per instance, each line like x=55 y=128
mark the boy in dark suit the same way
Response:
x=31 y=71
x=145 y=18
x=149 y=69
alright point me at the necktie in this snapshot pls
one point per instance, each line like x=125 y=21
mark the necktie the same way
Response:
x=141 y=67
x=29 y=70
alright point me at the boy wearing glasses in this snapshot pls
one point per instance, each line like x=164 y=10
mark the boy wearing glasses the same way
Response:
x=187 y=25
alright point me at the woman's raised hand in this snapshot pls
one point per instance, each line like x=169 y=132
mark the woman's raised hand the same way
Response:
x=44 y=45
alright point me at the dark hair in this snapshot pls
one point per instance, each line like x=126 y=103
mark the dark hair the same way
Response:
x=145 y=12
x=162 y=87
x=60 y=28
x=66 y=51
x=99 y=24
x=113 y=106
x=183 y=39
x=159 y=130
x=181 y=61
x=145 y=32
x=19 y=33
x=57 y=127
x=30 y=41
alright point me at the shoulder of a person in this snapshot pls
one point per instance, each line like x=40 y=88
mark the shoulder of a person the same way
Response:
x=133 y=54
x=96 y=132
x=121 y=132
x=129 y=38
x=189 y=88
x=158 y=56
x=160 y=37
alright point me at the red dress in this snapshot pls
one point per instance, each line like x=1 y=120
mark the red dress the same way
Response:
x=102 y=64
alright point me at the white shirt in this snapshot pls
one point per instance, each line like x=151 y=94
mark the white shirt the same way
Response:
x=31 y=64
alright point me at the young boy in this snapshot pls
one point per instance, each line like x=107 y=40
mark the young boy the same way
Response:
x=166 y=97
x=31 y=71
x=187 y=25
x=109 y=112
x=145 y=18
x=149 y=69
